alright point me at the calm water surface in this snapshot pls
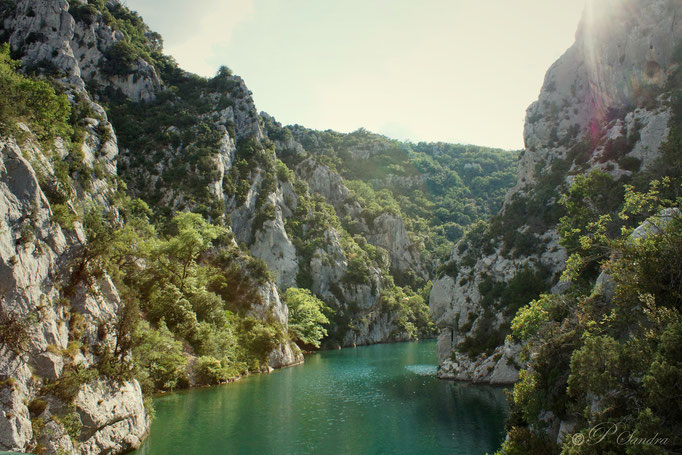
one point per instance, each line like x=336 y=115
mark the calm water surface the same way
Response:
x=381 y=399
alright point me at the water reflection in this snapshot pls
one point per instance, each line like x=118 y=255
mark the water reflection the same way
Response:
x=369 y=400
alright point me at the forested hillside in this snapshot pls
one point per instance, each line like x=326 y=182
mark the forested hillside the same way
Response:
x=160 y=233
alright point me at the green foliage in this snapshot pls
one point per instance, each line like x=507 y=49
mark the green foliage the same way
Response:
x=449 y=268
x=537 y=211
x=32 y=101
x=505 y=298
x=160 y=358
x=214 y=340
x=374 y=203
x=410 y=311
x=193 y=288
x=530 y=318
x=484 y=339
x=63 y=216
x=69 y=383
x=589 y=204
x=211 y=371
x=306 y=317
x=447 y=187
x=284 y=174
x=84 y=12
x=607 y=358
x=14 y=332
x=72 y=424
x=257 y=338
x=121 y=59
x=155 y=132
x=139 y=41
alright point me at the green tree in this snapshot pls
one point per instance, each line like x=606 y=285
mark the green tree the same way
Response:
x=608 y=356
x=181 y=252
x=159 y=358
x=32 y=101
x=306 y=317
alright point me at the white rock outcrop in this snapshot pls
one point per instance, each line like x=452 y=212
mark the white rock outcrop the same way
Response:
x=38 y=323
x=607 y=89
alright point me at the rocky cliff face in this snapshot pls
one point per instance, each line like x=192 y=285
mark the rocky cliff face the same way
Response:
x=49 y=37
x=220 y=163
x=603 y=105
x=54 y=324
x=55 y=321
x=605 y=87
x=356 y=301
x=388 y=229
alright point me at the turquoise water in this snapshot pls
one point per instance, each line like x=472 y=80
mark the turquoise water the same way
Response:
x=381 y=399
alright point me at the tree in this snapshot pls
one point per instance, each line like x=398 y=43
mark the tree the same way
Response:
x=224 y=72
x=306 y=317
x=159 y=355
x=181 y=252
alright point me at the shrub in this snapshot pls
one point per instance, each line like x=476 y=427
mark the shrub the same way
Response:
x=284 y=174
x=306 y=317
x=449 y=268
x=32 y=101
x=159 y=356
x=84 y=13
x=63 y=216
x=211 y=371
x=37 y=406
x=71 y=423
x=121 y=58
x=216 y=341
x=258 y=338
x=630 y=163
x=14 y=332
x=69 y=383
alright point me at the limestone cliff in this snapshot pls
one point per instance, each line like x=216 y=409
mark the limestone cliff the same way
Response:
x=54 y=322
x=59 y=320
x=212 y=156
x=603 y=105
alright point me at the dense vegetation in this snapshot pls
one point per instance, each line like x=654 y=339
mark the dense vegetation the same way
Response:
x=31 y=101
x=194 y=293
x=608 y=355
x=440 y=190
x=604 y=357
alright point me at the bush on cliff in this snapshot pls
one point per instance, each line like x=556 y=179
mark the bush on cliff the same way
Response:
x=608 y=356
x=306 y=317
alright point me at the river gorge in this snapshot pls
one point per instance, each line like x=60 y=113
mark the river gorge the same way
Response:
x=373 y=399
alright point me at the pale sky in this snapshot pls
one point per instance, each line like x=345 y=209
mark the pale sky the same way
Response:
x=423 y=70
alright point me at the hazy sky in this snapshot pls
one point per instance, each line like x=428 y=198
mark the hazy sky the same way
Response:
x=434 y=70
